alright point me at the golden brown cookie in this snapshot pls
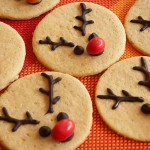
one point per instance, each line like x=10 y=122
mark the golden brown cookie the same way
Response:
x=44 y=96
x=12 y=54
x=57 y=35
x=122 y=98
x=21 y=10
x=137 y=23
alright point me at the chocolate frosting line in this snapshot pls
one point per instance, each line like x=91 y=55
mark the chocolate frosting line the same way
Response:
x=118 y=99
x=141 y=21
x=55 y=45
x=17 y=122
x=49 y=93
x=144 y=69
x=82 y=18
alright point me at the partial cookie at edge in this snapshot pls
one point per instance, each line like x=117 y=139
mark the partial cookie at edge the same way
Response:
x=12 y=49
x=24 y=95
x=127 y=119
x=140 y=40
x=21 y=10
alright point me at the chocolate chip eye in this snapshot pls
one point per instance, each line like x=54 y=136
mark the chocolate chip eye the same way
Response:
x=146 y=108
x=78 y=50
x=61 y=116
x=93 y=35
x=45 y=131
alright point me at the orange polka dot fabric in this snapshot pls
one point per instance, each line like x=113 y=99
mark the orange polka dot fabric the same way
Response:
x=101 y=137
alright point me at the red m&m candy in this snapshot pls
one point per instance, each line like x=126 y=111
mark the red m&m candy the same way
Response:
x=63 y=130
x=95 y=46
x=33 y=1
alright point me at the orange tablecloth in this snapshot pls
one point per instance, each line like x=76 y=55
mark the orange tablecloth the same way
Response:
x=101 y=136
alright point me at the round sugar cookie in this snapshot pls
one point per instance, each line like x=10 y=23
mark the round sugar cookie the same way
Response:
x=58 y=30
x=116 y=107
x=61 y=93
x=21 y=10
x=12 y=54
x=137 y=26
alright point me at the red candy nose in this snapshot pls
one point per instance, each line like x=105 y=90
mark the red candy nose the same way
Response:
x=33 y=1
x=63 y=130
x=95 y=46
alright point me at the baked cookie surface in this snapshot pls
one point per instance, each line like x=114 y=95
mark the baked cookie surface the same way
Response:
x=24 y=95
x=21 y=10
x=12 y=54
x=121 y=110
x=137 y=23
x=61 y=22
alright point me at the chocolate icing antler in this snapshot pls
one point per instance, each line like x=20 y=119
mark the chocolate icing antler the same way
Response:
x=55 y=45
x=83 y=19
x=17 y=122
x=143 y=22
x=49 y=93
x=143 y=68
x=126 y=98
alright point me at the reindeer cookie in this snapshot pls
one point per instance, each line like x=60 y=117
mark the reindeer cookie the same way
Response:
x=122 y=98
x=45 y=111
x=25 y=9
x=79 y=39
x=137 y=25
x=12 y=54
